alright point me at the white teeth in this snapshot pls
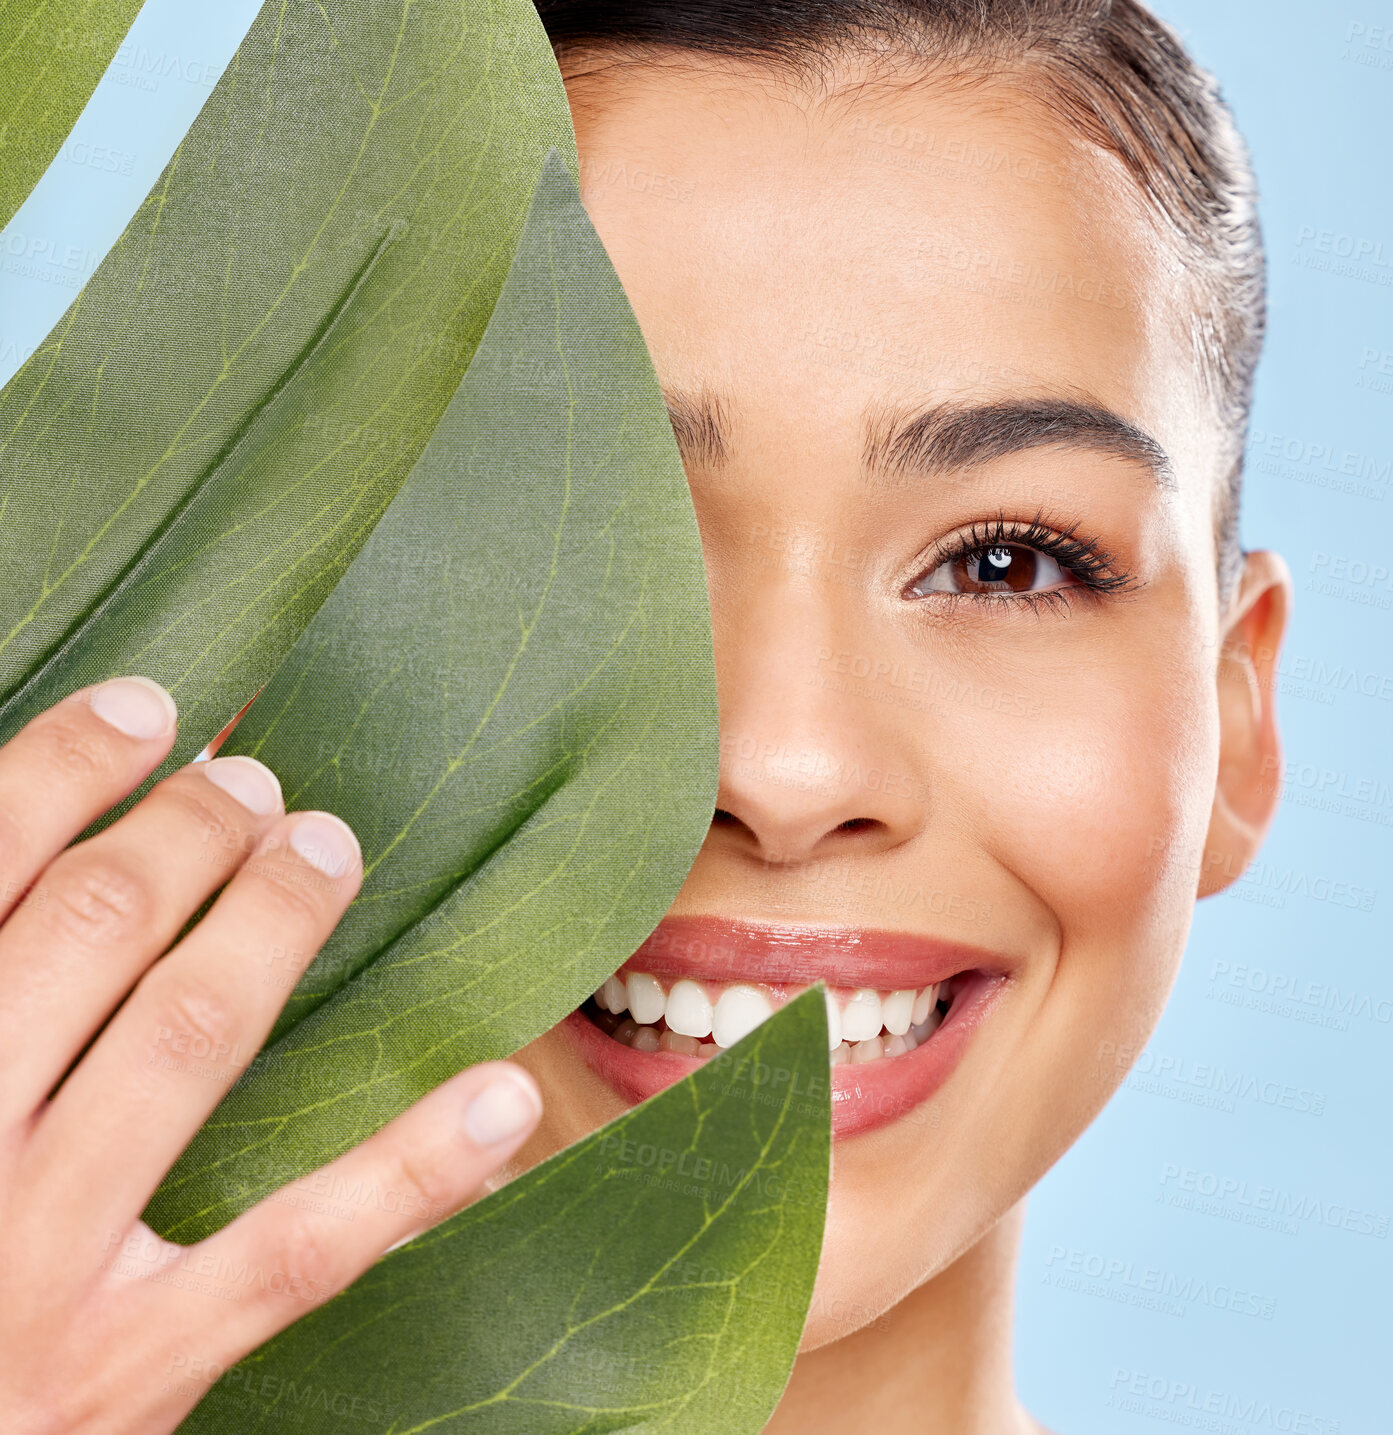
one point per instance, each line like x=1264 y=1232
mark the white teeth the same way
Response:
x=645 y=997
x=834 y=1023
x=688 y=1011
x=871 y=1024
x=738 y=1012
x=895 y=1012
x=616 y=995
x=923 y=1005
x=861 y=1017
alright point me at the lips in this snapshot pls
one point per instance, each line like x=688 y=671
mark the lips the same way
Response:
x=700 y=983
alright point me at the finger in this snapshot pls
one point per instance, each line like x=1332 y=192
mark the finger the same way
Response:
x=107 y=908
x=312 y=1238
x=191 y=1026
x=67 y=766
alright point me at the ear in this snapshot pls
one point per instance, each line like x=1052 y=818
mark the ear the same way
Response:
x=1250 y=747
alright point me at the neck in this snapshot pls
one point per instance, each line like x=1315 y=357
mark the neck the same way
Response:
x=942 y=1359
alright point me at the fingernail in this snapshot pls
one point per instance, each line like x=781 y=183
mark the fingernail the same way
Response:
x=506 y=1107
x=135 y=706
x=326 y=842
x=252 y=783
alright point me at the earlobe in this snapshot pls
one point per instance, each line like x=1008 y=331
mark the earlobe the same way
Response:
x=1250 y=746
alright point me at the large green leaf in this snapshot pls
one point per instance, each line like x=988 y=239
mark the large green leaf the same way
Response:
x=193 y=456
x=511 y=697
x=52 y=53
x=652 y=1277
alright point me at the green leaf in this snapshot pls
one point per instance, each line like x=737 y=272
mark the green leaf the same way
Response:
x=511 y=698
x=52 y=53
x=654 y=1276
x=192 y=458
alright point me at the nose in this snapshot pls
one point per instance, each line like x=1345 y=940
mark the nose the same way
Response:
x=813 y=764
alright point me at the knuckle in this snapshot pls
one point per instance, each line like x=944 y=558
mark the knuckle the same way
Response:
x=291 y=895
x=16 y=846
x=192 y=1018
x=427 y=1184
x=305 y=1262
x=75 y=751
x=192 y=802
x=94 y=901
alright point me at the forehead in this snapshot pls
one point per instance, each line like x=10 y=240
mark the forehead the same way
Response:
x=911 y=241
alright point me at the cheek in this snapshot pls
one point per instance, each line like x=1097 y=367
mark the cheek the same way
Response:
x=1100 y=805
x=1099 y=808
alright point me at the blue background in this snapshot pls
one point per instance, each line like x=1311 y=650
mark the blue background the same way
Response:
x=1214 y=1253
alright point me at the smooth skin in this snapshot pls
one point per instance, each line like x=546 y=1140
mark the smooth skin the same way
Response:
x=104 y=1328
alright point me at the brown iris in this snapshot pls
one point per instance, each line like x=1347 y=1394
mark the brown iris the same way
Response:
x=1001 y=568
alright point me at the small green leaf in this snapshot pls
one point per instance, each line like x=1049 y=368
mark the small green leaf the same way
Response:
x=52 y=53
x=652 y=1277
x=192 y=458
x=511 y=698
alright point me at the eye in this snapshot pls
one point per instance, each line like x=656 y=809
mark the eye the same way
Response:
x=992 y=569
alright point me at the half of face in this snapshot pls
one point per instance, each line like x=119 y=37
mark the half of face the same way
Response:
x=955 y=486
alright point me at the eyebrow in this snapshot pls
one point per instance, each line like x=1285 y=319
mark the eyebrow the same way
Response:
x=902 y=442
x=953 y=436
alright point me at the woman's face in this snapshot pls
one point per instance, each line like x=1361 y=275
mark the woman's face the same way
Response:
x=958 y=532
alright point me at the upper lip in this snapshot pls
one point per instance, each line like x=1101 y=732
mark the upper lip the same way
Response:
x=777 y=954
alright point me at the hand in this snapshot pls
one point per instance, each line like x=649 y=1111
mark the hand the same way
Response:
x=105 y=1329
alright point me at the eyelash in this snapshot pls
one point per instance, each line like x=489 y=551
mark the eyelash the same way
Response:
x=1085 y=559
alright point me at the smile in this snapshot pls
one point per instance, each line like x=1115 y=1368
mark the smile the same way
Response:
x=900 y=1008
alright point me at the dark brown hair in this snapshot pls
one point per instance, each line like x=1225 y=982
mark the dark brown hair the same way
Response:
x=1109 y=68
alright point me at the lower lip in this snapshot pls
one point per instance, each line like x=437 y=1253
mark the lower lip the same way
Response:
x=864 y=1097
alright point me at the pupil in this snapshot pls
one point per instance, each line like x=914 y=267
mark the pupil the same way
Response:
x=1001 y=566
x=994 y=566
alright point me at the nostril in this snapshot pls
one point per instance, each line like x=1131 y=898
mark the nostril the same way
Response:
x=722 y=818
x=857 y=824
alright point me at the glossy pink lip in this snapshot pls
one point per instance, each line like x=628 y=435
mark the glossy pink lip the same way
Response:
x=722 y=950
